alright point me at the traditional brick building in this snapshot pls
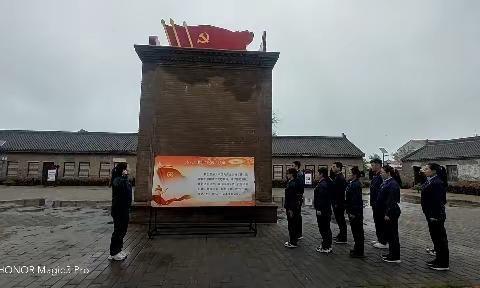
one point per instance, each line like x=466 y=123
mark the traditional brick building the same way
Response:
x=460 y=157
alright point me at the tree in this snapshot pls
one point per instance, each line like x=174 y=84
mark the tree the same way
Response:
x=374 y=156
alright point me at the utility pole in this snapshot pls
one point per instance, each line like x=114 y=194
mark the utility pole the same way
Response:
x=384 y=153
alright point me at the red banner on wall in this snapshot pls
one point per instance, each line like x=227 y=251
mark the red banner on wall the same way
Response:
x=206 y=36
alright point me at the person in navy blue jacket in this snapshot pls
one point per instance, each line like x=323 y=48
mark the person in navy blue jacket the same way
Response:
x=292 y=206
x=387 y=205
x=434 y=198
x=323 y=207
x=300 y=182
x=354 y=208
x=338 y=201
x=375 y=185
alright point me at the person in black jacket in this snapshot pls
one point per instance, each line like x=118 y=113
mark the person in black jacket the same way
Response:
x=354 y=208
x=323 y=207
x=375 y=184
x=338 y=201
x=387 y=205
x=292 y=207
x=121 y=202
x=433 y=199
x=300 y=184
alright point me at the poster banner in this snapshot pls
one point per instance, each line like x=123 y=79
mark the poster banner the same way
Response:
x=193 y=181
x=51 y=175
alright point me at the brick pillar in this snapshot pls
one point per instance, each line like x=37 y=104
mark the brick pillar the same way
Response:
x=205 y=103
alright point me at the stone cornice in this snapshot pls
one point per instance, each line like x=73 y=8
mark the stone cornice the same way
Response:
x=166 y=55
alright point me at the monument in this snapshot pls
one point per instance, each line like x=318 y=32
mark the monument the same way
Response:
x=205 y=126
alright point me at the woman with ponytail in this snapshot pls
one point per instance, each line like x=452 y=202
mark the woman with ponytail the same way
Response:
x=434 y=198
x=387 y=205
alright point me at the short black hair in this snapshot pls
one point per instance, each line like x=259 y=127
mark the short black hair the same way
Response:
x=323 y=171
x=297 y=164
x=338 y=164
x=293 y=172
x=356 y=172
x=376 y=161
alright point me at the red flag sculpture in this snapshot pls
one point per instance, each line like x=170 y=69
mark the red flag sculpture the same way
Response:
x=206 y=36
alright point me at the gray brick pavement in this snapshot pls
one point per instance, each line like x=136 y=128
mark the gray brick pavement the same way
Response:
x=80 y=237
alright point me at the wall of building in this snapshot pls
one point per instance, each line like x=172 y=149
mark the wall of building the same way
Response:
x=94 y=160
x=308 y=162
x=468 y=169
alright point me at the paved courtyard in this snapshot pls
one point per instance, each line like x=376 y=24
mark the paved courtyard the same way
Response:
x=58 y=238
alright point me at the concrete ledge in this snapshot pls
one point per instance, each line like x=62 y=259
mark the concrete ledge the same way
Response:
x=263 y=213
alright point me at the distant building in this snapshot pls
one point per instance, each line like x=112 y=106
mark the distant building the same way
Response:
x=90 y=156
x=460 y=157
x=313 y=152
x=409 y=147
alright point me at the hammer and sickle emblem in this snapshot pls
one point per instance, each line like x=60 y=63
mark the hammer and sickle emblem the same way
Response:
x=203 y=38
x=169 y=174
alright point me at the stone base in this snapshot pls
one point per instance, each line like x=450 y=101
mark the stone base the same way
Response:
x=262 y=213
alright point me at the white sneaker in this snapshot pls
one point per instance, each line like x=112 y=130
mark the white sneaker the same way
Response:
x=124 y=253
x=300 y=238
x=374 y=242
x=290 y=245
x=321 y=250
x=379 y=245
x=431 y=251
x=117 y=257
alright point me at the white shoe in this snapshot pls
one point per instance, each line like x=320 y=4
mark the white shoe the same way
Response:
x=290 y=245
x=300 y=238
x=124 y=253
x=117 y=257
x=431 y=251
x=380 y=246
x=321 y=250
x=374 y=242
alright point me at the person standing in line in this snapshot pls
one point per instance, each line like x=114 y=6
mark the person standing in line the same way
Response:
x=354 y=208
x=375 y=185
x=338 y=201
x=387 y=205
x=433 y=200
x=292 y=206
x=323 y=207
x=300 y=190
x=121 y=202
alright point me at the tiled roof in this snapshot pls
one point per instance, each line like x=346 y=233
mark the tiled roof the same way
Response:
x=126 y=143
x=68 y=142
x=447 y=149
x=321 y=146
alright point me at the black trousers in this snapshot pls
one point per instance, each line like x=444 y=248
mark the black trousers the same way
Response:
x=379 y=226
x=120 y=226
x=299 y=223
x=440 y=241
x=293 y=225
x=342 y=224
x=391 y=236
x=323 y=222
x=356 y=224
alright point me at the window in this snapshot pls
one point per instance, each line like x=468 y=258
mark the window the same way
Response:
x=83 y=169
x=104 y=170
x=277 y=172
x=311 y=168
x=33 y=169
x=12 y=168
x=452 y=173
x=69 y=169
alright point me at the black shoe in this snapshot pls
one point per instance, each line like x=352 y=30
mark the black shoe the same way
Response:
x=431 y=263
x=390 y=259
x=355 y=254
x=438 y=267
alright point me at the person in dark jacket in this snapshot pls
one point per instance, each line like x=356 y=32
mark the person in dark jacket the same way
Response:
x=354 y=208
x=338 y=201
x=300 y=190
x=121 y=202
x=433 y=199
x=375 y=185
x=323 y=207
x=292 y=207
x=387 y=205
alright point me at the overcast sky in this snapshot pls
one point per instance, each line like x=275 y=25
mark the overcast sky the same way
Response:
x=382 y=72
